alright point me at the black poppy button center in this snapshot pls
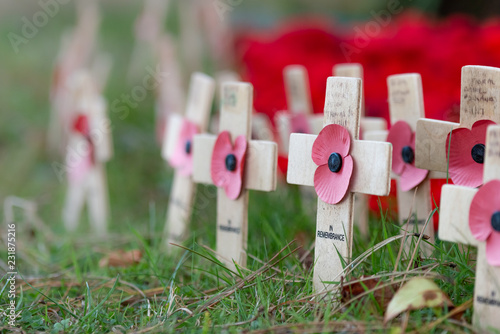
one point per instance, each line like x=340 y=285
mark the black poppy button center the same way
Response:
x=187 y=148
x=335 y=162
x=495 y=221
x=477 y=153
x=231 y=162
x=408 y=154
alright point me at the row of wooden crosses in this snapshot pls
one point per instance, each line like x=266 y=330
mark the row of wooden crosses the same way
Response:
x=325 y=153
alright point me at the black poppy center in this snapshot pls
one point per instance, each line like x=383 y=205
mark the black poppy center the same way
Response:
x=495 y=221
x=477 y=153
x=231 y=162
x=335 y=162
x=187 y=148
x=408 y=154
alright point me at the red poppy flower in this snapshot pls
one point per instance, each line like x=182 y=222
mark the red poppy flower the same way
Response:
x=299 y=124
x=81 y=125
x=403 y=156
x=182 y=158
x=484 y=219
x=466 y=154
x=331 y=153
x=228 y=164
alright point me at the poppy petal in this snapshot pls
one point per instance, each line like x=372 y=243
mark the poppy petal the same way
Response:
x=230 y=181
x=181 y=159
x=484 y=204
x=333 y=138
x=493 y=249
x=464 y=171
x=399 y=136
x=299 y=124
x=332 y=187
x=221 y=149
x=411 y=177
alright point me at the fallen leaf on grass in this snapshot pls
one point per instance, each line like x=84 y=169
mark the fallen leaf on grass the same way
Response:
x=382 y=295
x=417 y=294
x=120 y=258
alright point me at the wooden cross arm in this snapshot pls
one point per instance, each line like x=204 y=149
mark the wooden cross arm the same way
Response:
x=260 y=168
x=372 y=164
x=430 y=144
x=454 y=214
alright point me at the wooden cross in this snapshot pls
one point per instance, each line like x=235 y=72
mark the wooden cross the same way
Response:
x=454 y=226
x=355 y=70
x=371 y=175
x=199 y=105
x=259 y=171
x=479 y=99
x=298 y=96
x=86 y=153
x=406 y=103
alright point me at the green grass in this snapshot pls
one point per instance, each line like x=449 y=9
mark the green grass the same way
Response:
x=63 y=288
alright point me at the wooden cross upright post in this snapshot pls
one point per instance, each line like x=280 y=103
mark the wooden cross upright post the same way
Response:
x=406 y=103
x=355 y=70
x=298 y=95
x=199 y=105
x=454 y=227
x=371 y=175
x=259 y=171
x=480 y=89
x=89 y=147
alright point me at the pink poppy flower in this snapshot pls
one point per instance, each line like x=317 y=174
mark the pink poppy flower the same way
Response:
x=182 y=158
x=330 y=152
x=299 y=124
x=466 y=154
x=228 y=164
x=402 y=139
x=484 y=219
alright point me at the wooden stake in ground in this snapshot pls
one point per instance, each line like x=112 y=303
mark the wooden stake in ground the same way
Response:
x=89 y=147
x=234 y=169
x=370 y=163
x=406 y=106
x=479 y=101
x=354 y=70
x=300 y=117
x=177 y=149
x=460 y=209
x=77 y=47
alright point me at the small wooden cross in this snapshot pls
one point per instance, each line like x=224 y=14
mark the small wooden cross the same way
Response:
x=479 y=100
x=298 y=97
x=89 y=147
x=259 y=171
x=355 y=70
x=371 y=175
x=454 y=226
x=199 y=105
x=406 y=103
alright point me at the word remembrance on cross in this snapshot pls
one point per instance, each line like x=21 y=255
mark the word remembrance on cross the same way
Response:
x=472 y=217
x=235 y=164
x=338 y=165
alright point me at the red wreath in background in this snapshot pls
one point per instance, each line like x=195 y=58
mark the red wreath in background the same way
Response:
x=411 y=42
